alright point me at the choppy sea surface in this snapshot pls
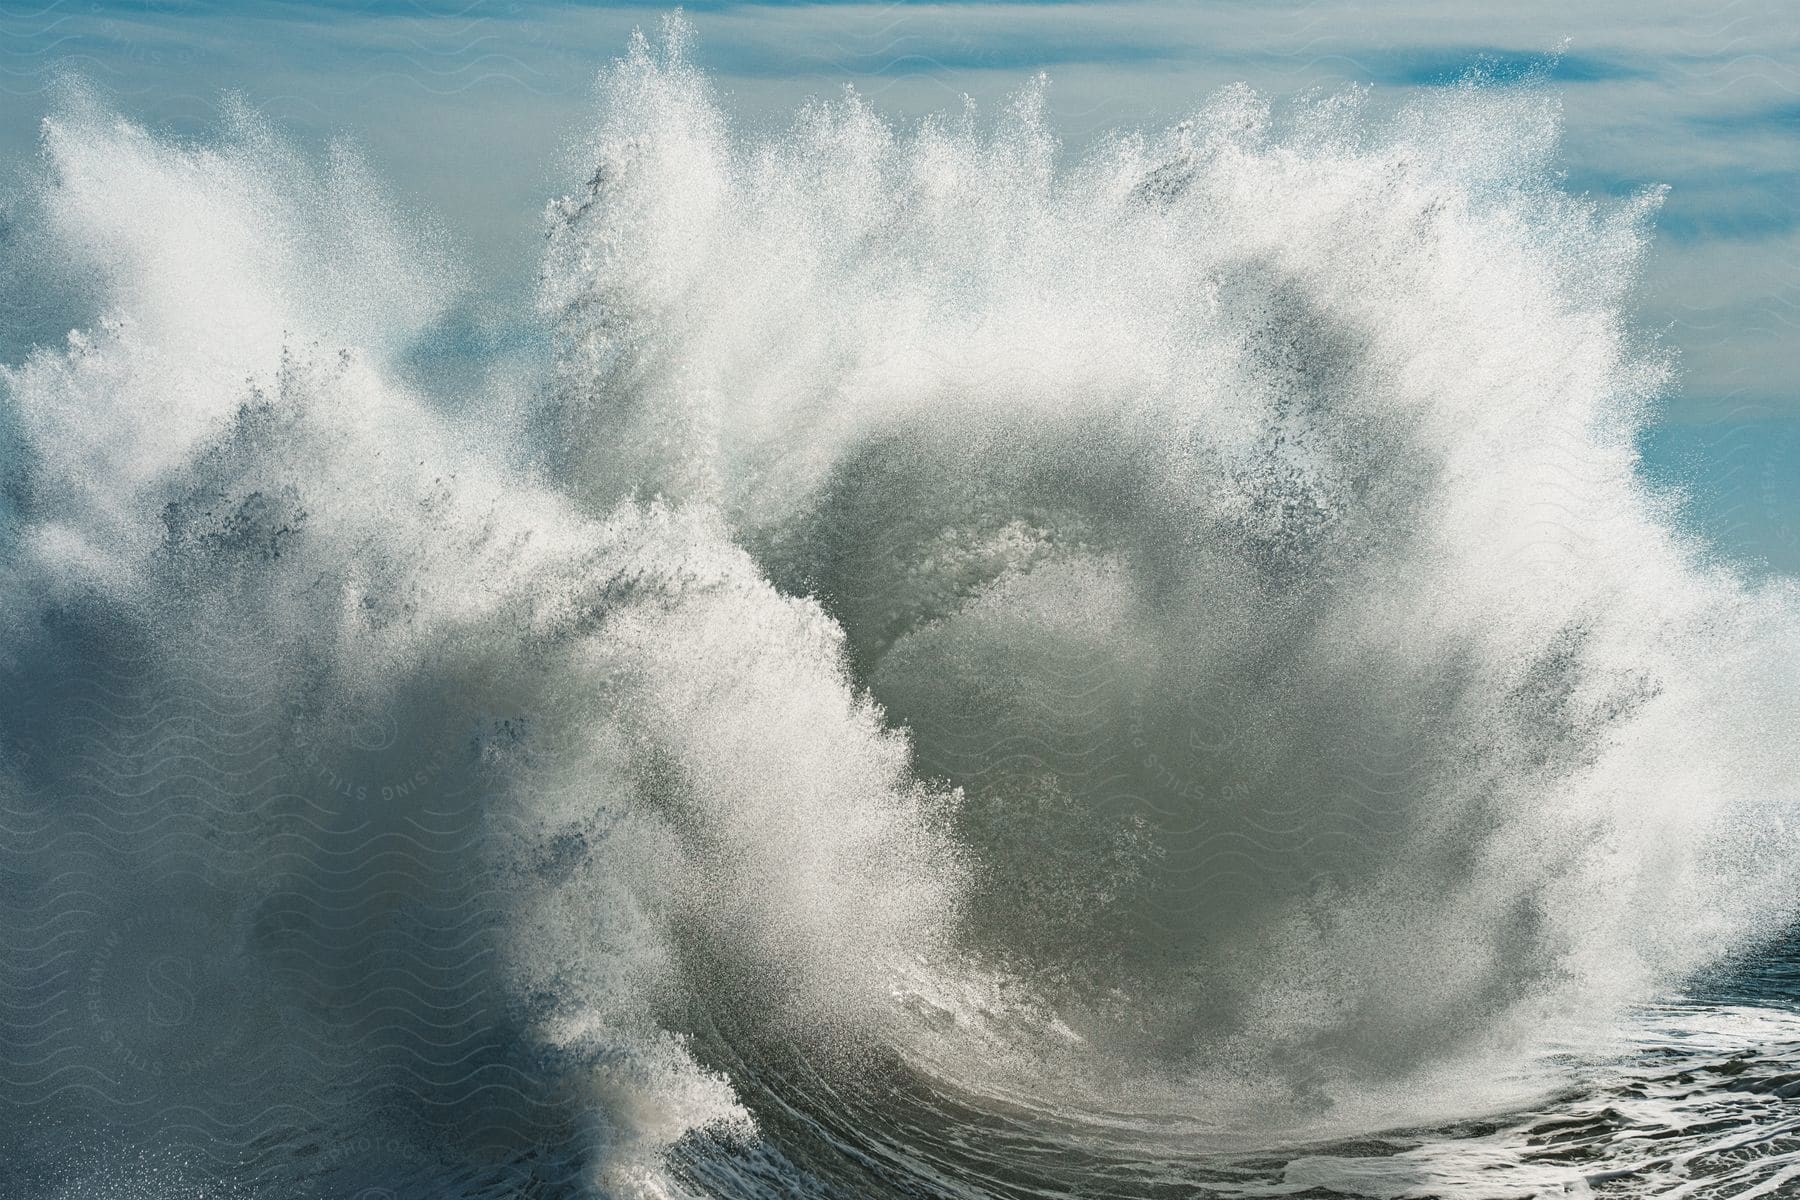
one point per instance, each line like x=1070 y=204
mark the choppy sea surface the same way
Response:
x=923 y=665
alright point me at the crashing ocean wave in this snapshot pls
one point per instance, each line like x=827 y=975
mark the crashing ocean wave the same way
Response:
x=1170 y=646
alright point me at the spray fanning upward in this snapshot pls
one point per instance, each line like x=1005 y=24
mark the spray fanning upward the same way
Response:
x=1245 y=517
x=1177 y=632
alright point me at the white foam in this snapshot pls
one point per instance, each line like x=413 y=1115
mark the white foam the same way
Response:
x=1276 y=452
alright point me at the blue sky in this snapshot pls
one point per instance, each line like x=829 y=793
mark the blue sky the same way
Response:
x=467 y=105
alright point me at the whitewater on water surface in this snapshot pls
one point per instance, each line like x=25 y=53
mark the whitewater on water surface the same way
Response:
x=951 y=668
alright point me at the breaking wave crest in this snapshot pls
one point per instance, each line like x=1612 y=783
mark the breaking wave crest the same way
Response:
x=1169 y=645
